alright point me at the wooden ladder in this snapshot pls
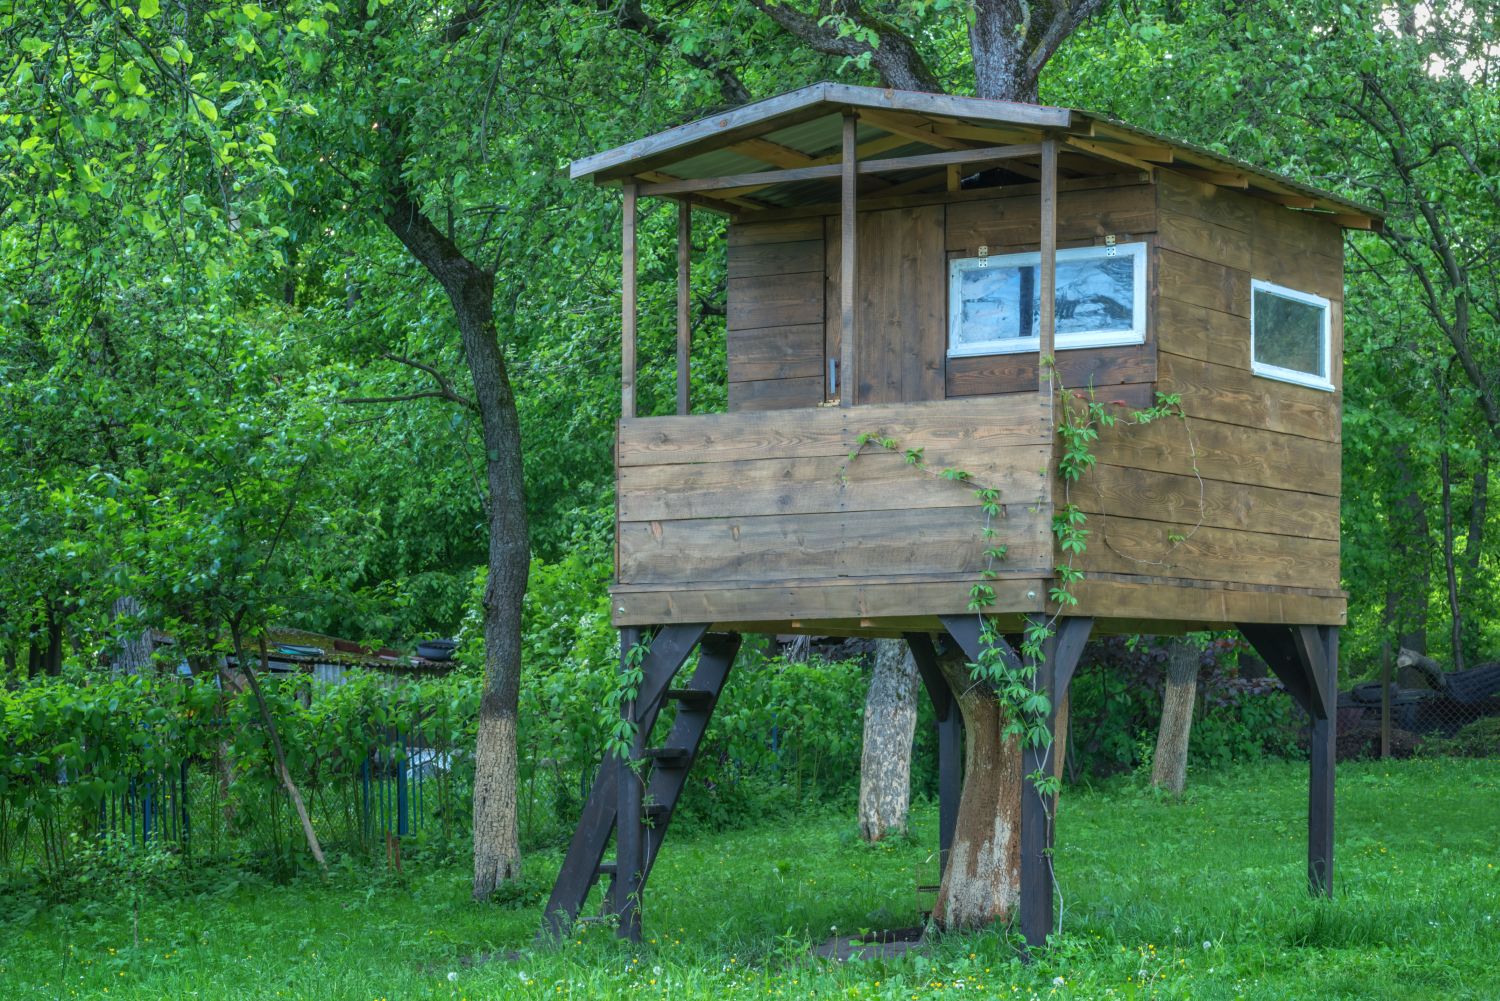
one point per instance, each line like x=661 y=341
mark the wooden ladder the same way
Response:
x=633 y=801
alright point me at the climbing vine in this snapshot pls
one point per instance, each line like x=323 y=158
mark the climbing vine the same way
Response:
x=1012 y=679
x=632 y=674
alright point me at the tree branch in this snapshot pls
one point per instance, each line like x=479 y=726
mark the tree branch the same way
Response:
x=894 y=56
x=631 y=15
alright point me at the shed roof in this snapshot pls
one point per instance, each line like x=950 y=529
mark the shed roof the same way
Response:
x=802 y=129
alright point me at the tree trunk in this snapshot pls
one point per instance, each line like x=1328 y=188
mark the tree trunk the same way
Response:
x=277 y=753
x=890 y=723
x=1411 y=543
x=1450 y=562
x=52 y=659
x=134 y=654
x=471 y=290
x=983 y=880
x=1169 y=765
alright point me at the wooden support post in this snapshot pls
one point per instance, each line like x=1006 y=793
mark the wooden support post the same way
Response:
x=1306 y=659
x=848 y=379
x=1060 y=654
x=684 y=287
x=950 y=734
x=1047 y=305
x=630 y=830
x=1324 y=739
x=627 y=304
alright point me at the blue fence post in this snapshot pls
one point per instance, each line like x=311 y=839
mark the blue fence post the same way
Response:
x=401 y=770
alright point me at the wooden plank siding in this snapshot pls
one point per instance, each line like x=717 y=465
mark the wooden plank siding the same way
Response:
x=736 y=498
x=759 y=517
x=774 y=327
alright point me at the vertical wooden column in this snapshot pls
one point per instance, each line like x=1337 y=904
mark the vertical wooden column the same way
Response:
x=1306 y=659
x=630 y=845
x=950 y=734
x=1321 y=758
x=848 y=380
x=1047 y=272
x=684 y=316
x=1054 y=674
x=627 y=304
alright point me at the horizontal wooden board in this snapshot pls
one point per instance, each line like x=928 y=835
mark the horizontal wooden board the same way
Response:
x=775 y=300
x=1132 y=545
x=1313 y=231
x=1184 y=195
x=989 y=423
x=823 y=546
x=1190 y=330
x=779 y=607
x=1235 y=395
x=1296 y=266
x=794 y=352
x=1079 y=368
x=1225 y=452
x=1109 y=599
x=1087 y=215
x=751 y=260
x=876 y=480
x=1185 y=499
x=745 y=234
x=1203 y=283
x=775 y=394
x=1207 y=241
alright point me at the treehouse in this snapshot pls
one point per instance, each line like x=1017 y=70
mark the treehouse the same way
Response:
x=934 y=303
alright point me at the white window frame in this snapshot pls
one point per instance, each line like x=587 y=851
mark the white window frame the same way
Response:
x=1064 y=342
x=1325 y=345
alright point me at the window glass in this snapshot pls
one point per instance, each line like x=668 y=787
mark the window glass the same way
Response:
x=1289 y=334
x=995 y=302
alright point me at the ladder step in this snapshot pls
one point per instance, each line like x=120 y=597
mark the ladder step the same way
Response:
x=670 y=757
x=607 y=869
x=692 y=698
x=655 y=810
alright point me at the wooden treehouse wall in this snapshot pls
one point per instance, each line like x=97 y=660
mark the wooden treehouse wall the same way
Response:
x=1268 y=451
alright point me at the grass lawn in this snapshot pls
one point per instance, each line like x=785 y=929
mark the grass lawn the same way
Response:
x=1197 y=899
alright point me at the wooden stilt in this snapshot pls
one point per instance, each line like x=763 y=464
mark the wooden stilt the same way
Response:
x=848 y=226
x=684 y=316
x=1306 y=660
x=628 y=303
x=629 y=824
x=1054 y=673
x=950 y=734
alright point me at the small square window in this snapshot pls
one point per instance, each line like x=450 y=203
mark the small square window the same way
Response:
x=1289 y=335
x=994 y=302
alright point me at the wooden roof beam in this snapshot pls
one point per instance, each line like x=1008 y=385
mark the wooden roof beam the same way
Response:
x=1222 y=178
x=763 y=178
x=914 y=129
x=775 y=154
x=1107 y=152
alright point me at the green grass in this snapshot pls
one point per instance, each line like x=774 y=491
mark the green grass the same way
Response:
x=1197 y=899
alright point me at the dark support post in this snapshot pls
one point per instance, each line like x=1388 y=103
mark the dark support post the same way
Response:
x=1321 y=767
x=1060 y=654
x=950 y=734
x=630 y=830
x=684 y=287
x=627 y=304
x=848 y=378
x=1306 y=659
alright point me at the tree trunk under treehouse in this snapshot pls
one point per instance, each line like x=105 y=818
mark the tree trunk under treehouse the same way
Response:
x=890 y=724
x=982 y=882
x=1169 y=764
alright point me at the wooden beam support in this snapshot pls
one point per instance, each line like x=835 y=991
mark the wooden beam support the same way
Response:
x=739 y=184
x=684 y=315
x=1306 y=659
x=912 y=129
x=1060 y=653
x=1046 y=318
x=773 y=153
x=950 y=734
x=1107 y=152
x=630 y=830
x=1222 y=178
x=628 y=304
x=848 y=227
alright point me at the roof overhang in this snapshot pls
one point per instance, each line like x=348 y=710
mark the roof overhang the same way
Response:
x=793 y=137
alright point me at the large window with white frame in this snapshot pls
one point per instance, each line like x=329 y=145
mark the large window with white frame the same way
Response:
x=1289 y=337
x=994 y=302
